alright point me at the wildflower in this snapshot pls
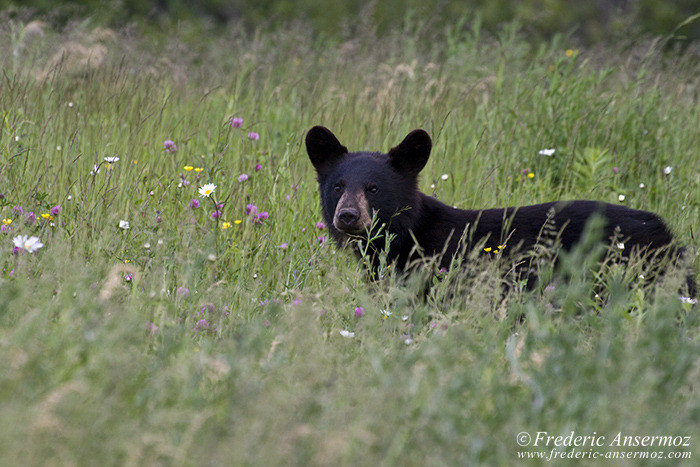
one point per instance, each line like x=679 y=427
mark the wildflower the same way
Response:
x=237 y=221
x=641 y=185
x=546 y=152
x=194 y=203
x=201 y=324
x=95 y=170
x=28 y=244
x=263 y=215
x=7 y=221
x=570 y=52
x=620 y=246
x=169 y=146
x=111 y=159
x=236 y=122
x=147 y=245
x=668 y=169
x=258 y=167
x=320 y=225
x=359 y=312
x=384 y=314
x=242 y=178
x=5 y=228
x=17 y=210
x=251 y=209
x=55 y=210
x=226 y=225
x=321 y=239
x=206 y=190
x=198 y=169
x=284 y=246
x=266 y=323
x=692 y=301
x=151 y=328
x=159 y=219
x=182 y=292
x=621 y=198
x=253 y=136
x=444 y=176
x=188 y=168
x=46 y=215
x=531 y=175
x=124 y=225
x=615 y=170
x=30 y=218
x=347 y=334
x=216 y=214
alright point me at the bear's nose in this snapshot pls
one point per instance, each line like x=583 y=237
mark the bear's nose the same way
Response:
x=348 y=216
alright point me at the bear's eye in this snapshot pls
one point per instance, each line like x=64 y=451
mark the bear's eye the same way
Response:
x=338 y=187
x=373 y=189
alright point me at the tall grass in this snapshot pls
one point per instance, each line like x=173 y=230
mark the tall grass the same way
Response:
x=180 y=342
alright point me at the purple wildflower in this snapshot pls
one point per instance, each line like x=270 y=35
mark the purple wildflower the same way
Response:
x=216 y=214
x=251 y=209
x=17 y=210
x=194 y=203
x=284 y=246
x=320 y=225
x=55 y=210
x=253 y=136
x=182 y=292
x=258 y=167
x=31 y=218
x=151 y=328
x=321 y=239
x=236 y=122
x=242 y=178
x=359 y=312
x=170 y=146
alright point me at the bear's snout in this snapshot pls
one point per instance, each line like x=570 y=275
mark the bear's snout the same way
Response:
x=348 y=217
x=352 y=213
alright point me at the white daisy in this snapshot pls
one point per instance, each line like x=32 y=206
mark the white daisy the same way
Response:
x=28 y=244
x=206 y=190
x=112 y=159
x=347 y=334
x=124 y=225
x=546 y=152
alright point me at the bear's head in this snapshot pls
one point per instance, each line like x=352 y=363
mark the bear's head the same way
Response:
x=356 y=186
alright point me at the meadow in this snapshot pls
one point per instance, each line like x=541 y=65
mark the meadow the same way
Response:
x=160 y=325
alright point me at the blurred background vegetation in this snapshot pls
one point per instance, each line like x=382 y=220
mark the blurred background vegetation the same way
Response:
x=588 y=22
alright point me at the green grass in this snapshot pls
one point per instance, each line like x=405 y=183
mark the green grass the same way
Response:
x=268 y=379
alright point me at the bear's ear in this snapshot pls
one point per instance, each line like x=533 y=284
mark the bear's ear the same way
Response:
x=323 y=148
x=412 y=153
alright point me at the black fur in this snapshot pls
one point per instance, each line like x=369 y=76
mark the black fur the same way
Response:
x=354 y=186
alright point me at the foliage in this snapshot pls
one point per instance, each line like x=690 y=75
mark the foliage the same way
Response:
x=153 y=329
x=590 y=22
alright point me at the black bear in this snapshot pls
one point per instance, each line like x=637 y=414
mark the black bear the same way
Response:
x=359 y=186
